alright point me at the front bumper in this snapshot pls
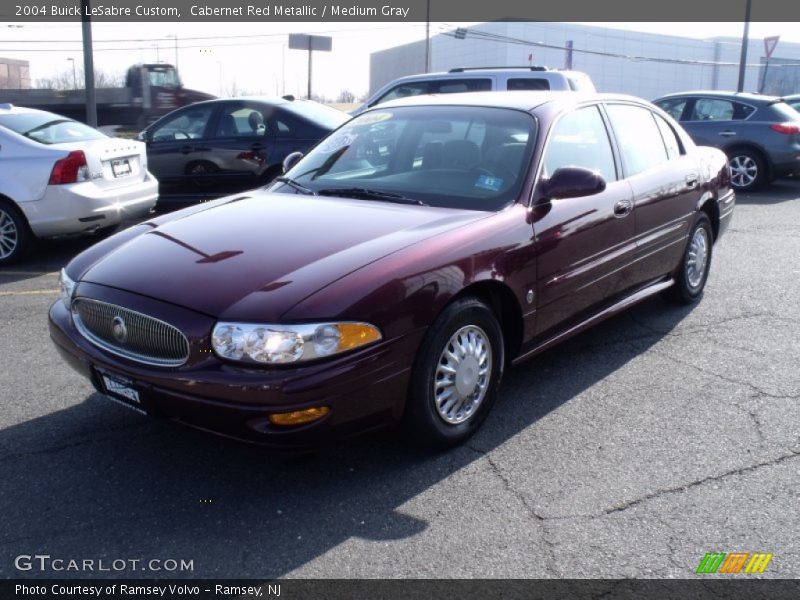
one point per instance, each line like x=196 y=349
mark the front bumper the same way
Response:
x=83 y=207
x=363 y=390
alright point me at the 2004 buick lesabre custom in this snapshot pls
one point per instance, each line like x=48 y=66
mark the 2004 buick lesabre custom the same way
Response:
x=394 y=270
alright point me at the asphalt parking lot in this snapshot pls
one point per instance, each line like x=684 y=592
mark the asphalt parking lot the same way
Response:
x=630 y=451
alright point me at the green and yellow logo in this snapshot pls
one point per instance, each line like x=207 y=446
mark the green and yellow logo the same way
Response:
x=734 y=562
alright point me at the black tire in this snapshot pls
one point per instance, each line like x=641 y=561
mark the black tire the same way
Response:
x=688 y=288
x=747 y=164
x=104 y=232
x=423 y=422
x=15 y=236
x=200 y=171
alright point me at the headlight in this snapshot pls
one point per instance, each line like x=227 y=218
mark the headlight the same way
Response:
x=280 y=344
x=66 y=289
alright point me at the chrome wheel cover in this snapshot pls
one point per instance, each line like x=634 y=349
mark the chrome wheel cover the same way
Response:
x=744 y=171
x=9 y=236
x=462 y=375
x=697 y=258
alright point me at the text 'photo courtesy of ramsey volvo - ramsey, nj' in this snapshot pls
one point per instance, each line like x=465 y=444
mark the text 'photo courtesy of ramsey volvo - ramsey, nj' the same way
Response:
x=392 y=274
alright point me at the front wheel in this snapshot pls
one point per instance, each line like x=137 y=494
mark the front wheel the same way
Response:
x=691 y=275
x=456 y=375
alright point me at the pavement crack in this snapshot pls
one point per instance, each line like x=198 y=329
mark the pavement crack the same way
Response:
x=550 y=562
x=698 y=482
x=727 y=379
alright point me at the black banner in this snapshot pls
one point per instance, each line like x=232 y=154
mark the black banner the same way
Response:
x=418 y=589
x=395 y=10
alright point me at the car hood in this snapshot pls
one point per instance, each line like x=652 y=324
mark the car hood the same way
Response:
x=257 y=257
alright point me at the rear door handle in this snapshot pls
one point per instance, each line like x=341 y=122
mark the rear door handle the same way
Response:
x=727 y=133
x=186 y=149
x=623 y=208
x=257 y=146
x=692 y=181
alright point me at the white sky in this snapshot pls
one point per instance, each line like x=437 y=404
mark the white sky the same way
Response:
x=264 y=65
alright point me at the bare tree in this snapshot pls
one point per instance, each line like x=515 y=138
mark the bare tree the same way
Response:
x=68 y=80
x=346 y=97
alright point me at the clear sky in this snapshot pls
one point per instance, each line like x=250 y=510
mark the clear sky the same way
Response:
x=253 y=57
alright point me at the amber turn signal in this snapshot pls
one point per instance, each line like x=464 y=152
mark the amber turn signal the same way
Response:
x=299 y=417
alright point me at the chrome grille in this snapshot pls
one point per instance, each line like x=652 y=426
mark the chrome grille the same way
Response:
x=146 y=340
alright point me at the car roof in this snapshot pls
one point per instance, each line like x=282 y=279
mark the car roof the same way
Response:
x=461 y=73
x=744 y=96
x=7 y=108
x=519 y=100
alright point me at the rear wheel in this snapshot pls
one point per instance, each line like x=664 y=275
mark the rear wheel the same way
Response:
x=691 y=276
x=748 y=170
x=456 y=375
x=15 y=238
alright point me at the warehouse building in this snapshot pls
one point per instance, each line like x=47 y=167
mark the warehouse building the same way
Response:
x=631 y=62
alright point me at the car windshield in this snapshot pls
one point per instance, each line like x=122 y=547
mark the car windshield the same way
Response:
x=448 y=156
x=327 y=116
x=47 y=128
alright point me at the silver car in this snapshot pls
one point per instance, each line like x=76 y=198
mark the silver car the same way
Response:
x=61 y=177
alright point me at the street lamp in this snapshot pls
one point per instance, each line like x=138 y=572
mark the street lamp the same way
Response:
x=175 y=37
x=74 y=78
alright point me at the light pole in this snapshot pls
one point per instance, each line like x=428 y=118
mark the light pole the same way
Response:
x=745 y=41
x=175 y=37
x=74 y=78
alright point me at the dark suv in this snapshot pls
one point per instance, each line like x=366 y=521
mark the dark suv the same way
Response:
x=760 y=134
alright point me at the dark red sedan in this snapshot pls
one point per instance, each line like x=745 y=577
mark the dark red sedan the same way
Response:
x=394 y=271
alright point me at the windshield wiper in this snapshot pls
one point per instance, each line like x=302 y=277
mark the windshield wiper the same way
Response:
x=368 y=194
x=292 y=183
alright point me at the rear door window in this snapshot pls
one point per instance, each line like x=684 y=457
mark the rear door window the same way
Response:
x=456 y=86
x=241 y=121
x=719 y=109
x=638 y=136
x=527 y=84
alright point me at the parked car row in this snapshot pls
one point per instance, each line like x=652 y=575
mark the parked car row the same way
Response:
x=61 y=177
x=217 y=147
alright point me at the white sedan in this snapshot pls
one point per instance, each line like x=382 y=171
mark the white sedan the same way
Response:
x=61 y=177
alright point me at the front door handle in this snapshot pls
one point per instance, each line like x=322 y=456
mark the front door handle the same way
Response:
x=186 y=149
x=623 y=208
x=257 y=146
x=727 y=133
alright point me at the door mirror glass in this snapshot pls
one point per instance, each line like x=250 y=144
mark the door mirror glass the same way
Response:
x=291 y=160
x=572 y=182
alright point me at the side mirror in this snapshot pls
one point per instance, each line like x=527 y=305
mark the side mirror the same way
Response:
x=572 y=182
x=291 y=160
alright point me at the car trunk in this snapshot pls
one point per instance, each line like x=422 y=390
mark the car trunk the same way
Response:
x=112 y=162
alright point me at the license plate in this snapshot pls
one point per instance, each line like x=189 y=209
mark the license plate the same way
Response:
x=122 y=392
x=121 y=167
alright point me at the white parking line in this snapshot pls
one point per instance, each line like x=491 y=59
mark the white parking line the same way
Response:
x=29 y=293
